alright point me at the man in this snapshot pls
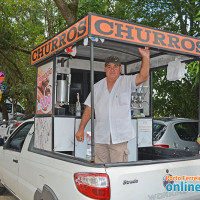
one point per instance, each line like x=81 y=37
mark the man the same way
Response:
x=113 y=128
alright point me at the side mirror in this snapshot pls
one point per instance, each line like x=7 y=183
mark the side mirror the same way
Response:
x=1 y=141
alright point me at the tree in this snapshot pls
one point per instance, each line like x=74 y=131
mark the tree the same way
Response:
x=173 y=15
x=17 y=20
x=68 y=8
x=24 y=24
x=180 y=98
x=176 y=98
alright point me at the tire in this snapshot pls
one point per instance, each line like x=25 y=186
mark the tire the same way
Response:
x=46 y=194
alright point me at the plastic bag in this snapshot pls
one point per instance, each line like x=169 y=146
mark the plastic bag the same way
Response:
x=175 y=70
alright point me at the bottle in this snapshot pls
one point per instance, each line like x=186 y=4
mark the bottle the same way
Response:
x=78 y=106
x=88 y=151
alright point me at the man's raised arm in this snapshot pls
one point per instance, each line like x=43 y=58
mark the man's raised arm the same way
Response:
x=144 y=71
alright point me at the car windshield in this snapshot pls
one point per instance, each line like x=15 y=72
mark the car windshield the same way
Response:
x=22 y=117
x=29 y=116
x=158 y=131
x=17 y=117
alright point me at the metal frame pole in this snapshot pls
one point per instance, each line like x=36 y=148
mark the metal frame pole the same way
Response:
x=151 y=93
x=125 y=69
x=199 y=102
x=92 y=98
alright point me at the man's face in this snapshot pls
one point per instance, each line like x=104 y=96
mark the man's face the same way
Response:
x=112 y=71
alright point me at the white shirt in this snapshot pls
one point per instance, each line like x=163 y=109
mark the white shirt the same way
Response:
x=112 y=110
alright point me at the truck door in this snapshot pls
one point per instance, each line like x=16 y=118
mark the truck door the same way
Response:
x=12 y=151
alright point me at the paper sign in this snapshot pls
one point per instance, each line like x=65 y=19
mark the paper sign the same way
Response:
x=144 y=132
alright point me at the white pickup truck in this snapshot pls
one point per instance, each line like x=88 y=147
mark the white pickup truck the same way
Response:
x=32 y=174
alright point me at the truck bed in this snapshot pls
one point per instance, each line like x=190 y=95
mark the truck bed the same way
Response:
x=146 y=178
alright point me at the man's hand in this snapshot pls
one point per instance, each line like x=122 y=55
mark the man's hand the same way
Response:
x=85 y=118
x=144 y=71
x=80 y=135
x=145 y=52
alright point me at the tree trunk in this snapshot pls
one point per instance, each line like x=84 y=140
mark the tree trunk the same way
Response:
x=178 y=6
x=68 y=10
x=4 y=109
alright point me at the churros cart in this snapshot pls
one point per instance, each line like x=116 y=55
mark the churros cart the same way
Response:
x=73 y=60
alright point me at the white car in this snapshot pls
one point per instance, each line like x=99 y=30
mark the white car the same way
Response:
x=9 y=107
x=176 y=133
x=7 y=127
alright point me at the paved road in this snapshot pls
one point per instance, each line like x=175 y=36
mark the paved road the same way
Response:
x=7 y=196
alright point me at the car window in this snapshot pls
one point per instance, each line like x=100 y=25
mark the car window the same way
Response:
x=29 y=116
x=158 y=131
x=16 y=117
x=17 y=140
x=20 y=109
x=9 y=107
x=187 y=131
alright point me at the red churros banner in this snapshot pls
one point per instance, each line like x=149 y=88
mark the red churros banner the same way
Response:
x=60 y=41
x=109 y=28
x=127 y=32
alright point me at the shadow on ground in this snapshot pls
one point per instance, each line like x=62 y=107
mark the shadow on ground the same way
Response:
x=7 y=196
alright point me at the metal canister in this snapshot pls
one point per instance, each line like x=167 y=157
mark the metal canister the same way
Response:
x=62 y=89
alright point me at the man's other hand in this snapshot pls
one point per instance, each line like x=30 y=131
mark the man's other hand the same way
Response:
x=80 y=135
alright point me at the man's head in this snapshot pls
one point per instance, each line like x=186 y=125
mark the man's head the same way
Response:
x=112 y=59
x=112 y=67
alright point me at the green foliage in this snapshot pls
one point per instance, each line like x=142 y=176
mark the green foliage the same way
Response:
x=173 y=15
x=176 y=98
x=20 y=29
x=121 y=9
x=198 y=17
x=18 y=20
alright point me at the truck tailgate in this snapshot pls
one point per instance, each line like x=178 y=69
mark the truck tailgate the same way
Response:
x=146 y=181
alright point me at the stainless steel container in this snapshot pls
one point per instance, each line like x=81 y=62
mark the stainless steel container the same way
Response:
x=62 y=89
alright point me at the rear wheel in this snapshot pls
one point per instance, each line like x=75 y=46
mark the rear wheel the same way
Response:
x=46 y=194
